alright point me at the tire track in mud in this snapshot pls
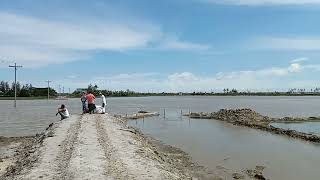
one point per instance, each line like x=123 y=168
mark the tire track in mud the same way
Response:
x=66 y=150
x=54 y=153
x=88 y=159
x=116 y=168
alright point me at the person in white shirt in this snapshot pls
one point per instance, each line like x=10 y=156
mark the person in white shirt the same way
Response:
x=63 y=111
x=104 y=103
x=101 y=109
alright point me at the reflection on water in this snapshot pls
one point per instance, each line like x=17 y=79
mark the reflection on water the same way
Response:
x=307 y=127
x=209 y=142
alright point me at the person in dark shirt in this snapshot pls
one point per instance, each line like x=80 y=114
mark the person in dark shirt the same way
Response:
x=83 y=101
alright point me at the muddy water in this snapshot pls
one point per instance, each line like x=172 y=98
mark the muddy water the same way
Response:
x=307 y=127
x=30 y=116
x=212 y=143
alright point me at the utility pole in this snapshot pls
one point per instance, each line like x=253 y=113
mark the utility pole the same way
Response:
x=15 y=82
x=48 y=88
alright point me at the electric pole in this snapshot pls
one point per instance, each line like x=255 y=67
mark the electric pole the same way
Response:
x=15 y=82
x=48 y=88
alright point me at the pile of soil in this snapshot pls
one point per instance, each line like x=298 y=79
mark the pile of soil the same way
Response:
x=252 y=119
x=232 y=115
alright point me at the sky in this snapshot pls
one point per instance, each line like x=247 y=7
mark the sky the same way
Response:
x=168 y=45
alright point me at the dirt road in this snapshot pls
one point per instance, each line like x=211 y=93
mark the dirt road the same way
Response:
x=96 y=147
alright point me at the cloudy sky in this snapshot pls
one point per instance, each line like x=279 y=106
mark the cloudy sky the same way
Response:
x=168 y=45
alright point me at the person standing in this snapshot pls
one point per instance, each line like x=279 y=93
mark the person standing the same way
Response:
x=83 y=100
x=91 y=102
x=104 y=103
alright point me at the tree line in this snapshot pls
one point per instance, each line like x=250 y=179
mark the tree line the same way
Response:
x=26 y=90
x=226 y=92
x=94 y=89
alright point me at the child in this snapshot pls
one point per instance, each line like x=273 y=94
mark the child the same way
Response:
x=63 y=111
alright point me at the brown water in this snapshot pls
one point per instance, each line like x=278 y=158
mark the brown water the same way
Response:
x=209 y=142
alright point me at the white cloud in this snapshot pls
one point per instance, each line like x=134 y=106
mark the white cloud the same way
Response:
x=72 y=76
x=185 y=76
x=264 y=2
x=299 y=60
x=36 y=42
x=261 y=73
x=280 y=43
x=314 y=67
x=175 y=44
x=272 y=78
x=295 y=68
x=261 y=79
x=125 y=77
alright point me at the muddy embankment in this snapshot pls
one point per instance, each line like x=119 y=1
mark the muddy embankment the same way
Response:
x=252 y=119
x=18 y=153
x=98 y=147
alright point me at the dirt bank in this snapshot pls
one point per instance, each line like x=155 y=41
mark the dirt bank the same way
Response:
x=9 y=146
x=101 y=147
x=252 y=119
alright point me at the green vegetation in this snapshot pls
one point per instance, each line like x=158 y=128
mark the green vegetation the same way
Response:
x=27 y=90
x=226 y=92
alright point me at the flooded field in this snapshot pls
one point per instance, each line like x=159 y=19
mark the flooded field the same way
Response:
x=307 y=127
x=209 y=142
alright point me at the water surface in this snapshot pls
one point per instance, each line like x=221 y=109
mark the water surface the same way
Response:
x=32 y=116
x=209 y=142
x=307 y=127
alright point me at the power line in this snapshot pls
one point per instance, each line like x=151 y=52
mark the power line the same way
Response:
x=15 y=82
x=48 y=88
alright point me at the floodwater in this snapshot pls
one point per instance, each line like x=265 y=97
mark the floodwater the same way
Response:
x=307 y=127
x=211 y=143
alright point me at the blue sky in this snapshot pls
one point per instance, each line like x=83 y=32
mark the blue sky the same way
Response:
x=168 y=45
